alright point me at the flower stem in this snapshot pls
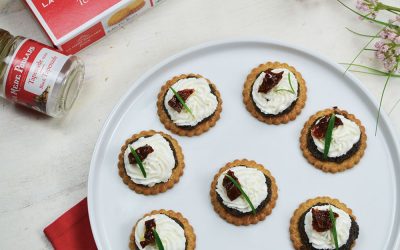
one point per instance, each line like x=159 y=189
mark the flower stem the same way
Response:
x=359 y=34
x=371 y=73
x=394 y=106
x=393 y=12
x=368 y=18
x=380 y=102
x=382 y=6
x=359 y=53
x=371 y=69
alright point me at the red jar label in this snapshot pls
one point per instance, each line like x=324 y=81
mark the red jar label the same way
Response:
x=31 y=75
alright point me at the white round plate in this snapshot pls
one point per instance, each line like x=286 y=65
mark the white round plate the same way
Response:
x=371 y=188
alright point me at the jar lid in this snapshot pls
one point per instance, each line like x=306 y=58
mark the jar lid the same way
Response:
x=73 y=84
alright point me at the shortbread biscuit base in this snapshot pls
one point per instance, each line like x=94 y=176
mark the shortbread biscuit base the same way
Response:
x=278 y=119
x=199 y=128
x=294 y=221
x=177 y=172
x=250 y=218
x=125 y=12
x=189 y=232
x=327 y=166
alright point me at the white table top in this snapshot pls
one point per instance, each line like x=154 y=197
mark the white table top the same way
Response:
x=45 y=161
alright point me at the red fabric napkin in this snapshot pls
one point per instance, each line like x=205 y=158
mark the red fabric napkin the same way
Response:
x=71 y=231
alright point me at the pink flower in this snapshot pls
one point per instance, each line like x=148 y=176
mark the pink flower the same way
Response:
x=379 y=55
x=362 y=6
x=397 y=40
x=391 y=36
x=379 y=44
x=384 y=34
x=367 y=6
x=389 y=64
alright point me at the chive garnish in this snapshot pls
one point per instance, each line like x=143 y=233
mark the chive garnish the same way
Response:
x=333 y=229
x=253 y=210
x=158 y=240
x=181 y=100
x=328 y=135
x=139 y=162
x=291 y=90
x=290 y=83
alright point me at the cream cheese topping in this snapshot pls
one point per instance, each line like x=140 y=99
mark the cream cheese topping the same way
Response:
x=171 y=233
x=202 y=102
x=253 y=183
x=158 y=164
x=324 y=240
x=276 y=100
x=343 y=138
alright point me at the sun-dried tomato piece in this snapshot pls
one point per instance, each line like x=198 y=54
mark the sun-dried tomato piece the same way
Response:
x=319 y=129
x=270 y=80
x=175 y=103
x=321 y=221
x=142 y=152
x=149 y=237
x=231 y=190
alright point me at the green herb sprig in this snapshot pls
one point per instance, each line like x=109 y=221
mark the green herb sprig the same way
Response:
x=181 y=100
x=159 y=244
x=378 y=6
x=139 y=162
x=328 y=135
x=253 y=210
x=333 y=229
x=291 y=90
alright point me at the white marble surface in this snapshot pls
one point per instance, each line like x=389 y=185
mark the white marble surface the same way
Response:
x=45 y=162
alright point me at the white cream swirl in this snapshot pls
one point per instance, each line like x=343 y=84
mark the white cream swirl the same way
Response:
x=343 y=138
x=253 y=183
x=158 y=164
x=324 y=240
x=171 y=233
x=277 y=99
x=202 y=102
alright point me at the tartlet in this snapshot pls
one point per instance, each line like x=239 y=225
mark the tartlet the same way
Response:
x=162 y=160
x=200 y=95
x=256 y=181
x=274 y=93
x=310 y=225
x=348 y=144
x=174 y=230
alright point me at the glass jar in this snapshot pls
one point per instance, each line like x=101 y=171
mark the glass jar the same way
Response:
x=38 y=76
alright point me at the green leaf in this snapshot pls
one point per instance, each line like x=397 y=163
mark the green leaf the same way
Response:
x=328 y=135
x=333 y=229
x=291 y=90
x=139 y=162
x=253 y=210
x=181 y=100
x=158 y=240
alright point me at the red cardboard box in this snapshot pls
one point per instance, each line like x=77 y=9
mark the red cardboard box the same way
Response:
x=73 y=25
